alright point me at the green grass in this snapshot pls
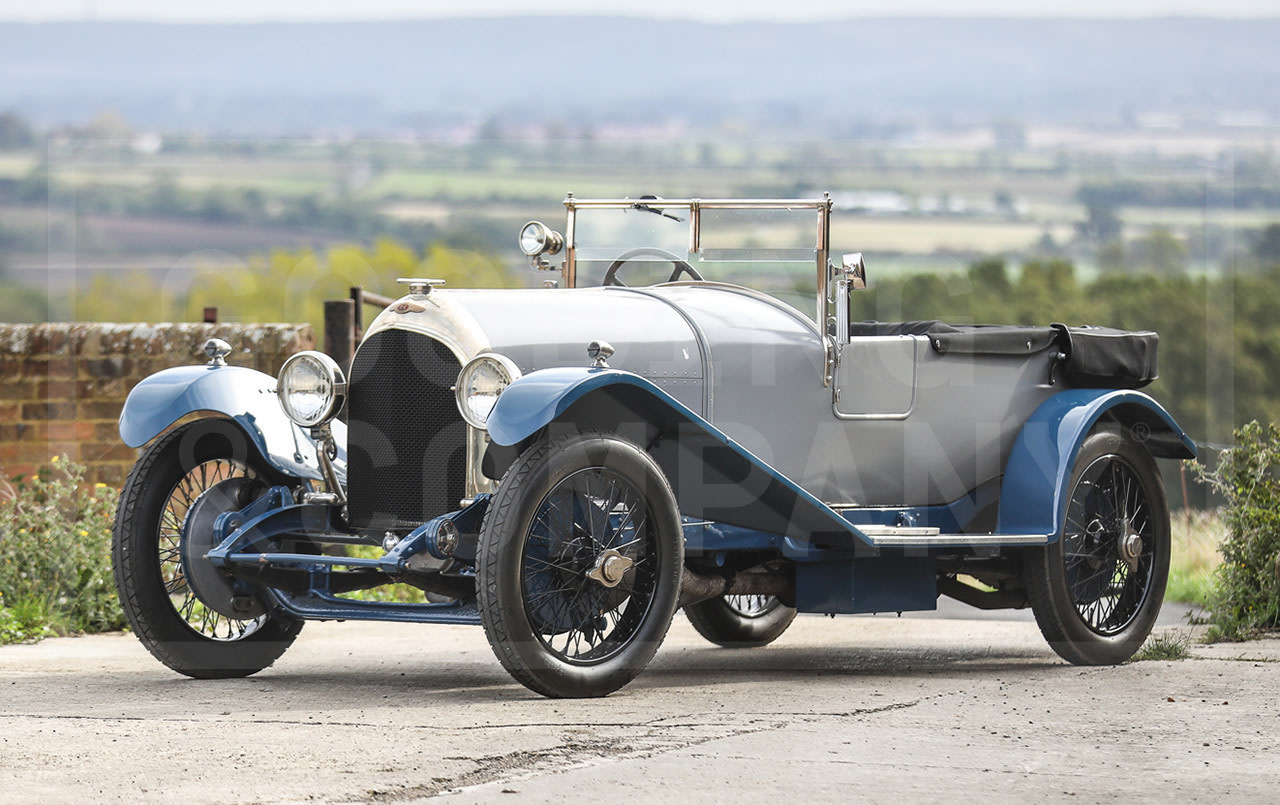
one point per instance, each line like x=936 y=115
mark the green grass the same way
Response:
x=1165 y=645
x=26 y=620
x=1195 y=556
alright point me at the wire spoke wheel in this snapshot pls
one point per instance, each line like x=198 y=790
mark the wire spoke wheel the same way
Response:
x=1108 y=549
x=592 y=517
x=579 y=562
x=1097 y=590
x=201 y=619
x=184 y=479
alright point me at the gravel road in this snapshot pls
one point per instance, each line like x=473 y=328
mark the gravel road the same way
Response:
x=853 y=709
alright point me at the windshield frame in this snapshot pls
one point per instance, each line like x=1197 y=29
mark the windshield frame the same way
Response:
x=694 y=208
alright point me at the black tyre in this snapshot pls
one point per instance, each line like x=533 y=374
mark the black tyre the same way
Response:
x=172 y=622
x=1096 y=592
x=579 y=565
x=740 y=621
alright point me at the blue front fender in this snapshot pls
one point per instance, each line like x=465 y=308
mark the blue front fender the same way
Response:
x=1034 y=489
x=538 y=399
x=246 y=396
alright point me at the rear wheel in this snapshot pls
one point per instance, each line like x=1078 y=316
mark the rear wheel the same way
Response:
x=209 y=461
x=579 y=565
x=741 y=621
x=1096 y=592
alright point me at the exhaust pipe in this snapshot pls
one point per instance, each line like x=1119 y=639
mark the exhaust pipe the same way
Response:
x=696 y=587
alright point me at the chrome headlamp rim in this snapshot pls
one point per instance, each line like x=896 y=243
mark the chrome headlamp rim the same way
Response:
x=325 y=368
x=461 y=390
x=536 y=238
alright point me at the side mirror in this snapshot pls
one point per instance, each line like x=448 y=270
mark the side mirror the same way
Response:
x=855 y=270
x=851 y=276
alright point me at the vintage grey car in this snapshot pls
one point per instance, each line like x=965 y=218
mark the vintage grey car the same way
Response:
x=683 y=416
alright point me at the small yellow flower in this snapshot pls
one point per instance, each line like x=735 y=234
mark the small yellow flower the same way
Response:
x=53 y=460
x=84 y=533
x=99 y=485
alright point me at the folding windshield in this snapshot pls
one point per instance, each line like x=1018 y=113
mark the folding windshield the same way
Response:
x=778 y=247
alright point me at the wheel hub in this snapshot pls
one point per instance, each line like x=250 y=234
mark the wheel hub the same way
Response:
x=210 y=585
x=1129 y=546
x=610 y=568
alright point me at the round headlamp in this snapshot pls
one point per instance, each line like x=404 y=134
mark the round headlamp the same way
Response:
x=480 y=382
x=537 y=238
x=311 y=388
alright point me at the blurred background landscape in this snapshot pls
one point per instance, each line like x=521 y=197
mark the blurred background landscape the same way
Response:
x=1110 y=171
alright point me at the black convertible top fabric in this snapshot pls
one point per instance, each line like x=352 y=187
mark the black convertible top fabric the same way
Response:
x=996 y=339
x=1088 y=357
x=865 y=328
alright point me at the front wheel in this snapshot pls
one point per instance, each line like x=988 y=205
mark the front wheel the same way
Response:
x=209 y=466
x=741 y=621
x=579 y=565
x=1096 y=592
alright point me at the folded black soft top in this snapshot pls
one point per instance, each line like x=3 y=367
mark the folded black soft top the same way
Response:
x=1087 y=356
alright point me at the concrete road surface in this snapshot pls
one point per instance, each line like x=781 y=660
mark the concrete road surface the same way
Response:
x=879 y=709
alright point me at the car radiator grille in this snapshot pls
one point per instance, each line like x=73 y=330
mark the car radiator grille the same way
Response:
x=406 y=441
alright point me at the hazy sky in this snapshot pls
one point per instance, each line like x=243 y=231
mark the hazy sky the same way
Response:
x=711 y=10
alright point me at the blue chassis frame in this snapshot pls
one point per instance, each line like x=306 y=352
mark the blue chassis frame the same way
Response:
x=275 y=515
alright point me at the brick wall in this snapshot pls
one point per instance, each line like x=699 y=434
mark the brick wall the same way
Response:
x=62 y=385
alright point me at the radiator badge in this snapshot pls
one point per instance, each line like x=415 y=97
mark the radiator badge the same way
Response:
x=408 y=307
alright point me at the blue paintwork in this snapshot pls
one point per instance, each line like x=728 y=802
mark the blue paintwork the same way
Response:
x=255 y=524
x=301 y=560
x=272 y=515
x=320 y=605
x=949 y=518
x=425 y=536
x=246 y=396
x=707 y=537
x=537 y=399
x=895 y=581
x=1034 y=490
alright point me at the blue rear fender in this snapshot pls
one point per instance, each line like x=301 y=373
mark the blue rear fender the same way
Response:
x=245 y=396
x=1034 y=489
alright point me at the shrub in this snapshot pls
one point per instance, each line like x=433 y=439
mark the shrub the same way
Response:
x=1246 y=596
x=24 y=622
x=55 y=556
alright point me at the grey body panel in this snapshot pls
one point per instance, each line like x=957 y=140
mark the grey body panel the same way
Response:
x=909 y=426
x=938 y=426
x=540 y=329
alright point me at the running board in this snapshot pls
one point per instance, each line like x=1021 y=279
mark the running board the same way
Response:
x=886 y=536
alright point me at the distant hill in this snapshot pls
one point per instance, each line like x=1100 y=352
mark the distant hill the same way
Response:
x=851 y=76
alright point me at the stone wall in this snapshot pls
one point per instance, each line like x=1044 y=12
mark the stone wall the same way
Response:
x=62 y=385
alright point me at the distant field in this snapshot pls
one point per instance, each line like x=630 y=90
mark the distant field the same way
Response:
x=928 y=235
x=479 y=194
x=516 y=182
x=1194 y=219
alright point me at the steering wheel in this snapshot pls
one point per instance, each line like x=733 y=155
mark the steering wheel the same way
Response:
x=681 y=266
